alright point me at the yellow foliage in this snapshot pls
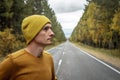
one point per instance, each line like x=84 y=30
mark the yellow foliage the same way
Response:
x=116 y=21
x=8 y=42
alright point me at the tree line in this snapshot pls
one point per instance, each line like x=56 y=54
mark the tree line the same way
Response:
x=12 y=13
x=100 y=24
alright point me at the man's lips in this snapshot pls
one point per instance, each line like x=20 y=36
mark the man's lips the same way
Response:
x=49 y=39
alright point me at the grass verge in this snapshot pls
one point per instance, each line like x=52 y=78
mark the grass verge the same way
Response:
x=110 y=56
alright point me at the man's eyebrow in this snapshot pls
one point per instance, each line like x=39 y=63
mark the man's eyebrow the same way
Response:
x=47 y=27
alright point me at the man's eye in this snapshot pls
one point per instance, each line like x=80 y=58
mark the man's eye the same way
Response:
x=46 y=28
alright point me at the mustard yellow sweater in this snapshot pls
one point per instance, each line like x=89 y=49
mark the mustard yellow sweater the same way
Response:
x=21 y=65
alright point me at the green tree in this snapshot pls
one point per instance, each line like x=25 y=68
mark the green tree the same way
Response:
x=5 y=14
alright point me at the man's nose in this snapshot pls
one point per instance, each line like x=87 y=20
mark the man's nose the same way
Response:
x=52 y=33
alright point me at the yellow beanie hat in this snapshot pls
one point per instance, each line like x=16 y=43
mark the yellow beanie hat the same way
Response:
x=32 y=25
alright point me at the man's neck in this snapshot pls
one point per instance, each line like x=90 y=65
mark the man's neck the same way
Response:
x=35 y=50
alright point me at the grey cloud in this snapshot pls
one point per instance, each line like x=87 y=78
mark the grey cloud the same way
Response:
x=68 y=6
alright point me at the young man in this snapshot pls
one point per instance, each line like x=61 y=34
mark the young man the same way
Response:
x=32 y=62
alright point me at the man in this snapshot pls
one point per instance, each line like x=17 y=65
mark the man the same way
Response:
x=32 y=62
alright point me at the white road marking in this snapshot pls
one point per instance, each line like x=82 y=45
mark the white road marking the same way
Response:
x=59 y=64
x=102 y=62
x=60 y=61
x=99 y=61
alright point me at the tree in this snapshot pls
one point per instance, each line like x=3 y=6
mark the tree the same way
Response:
x=94 y=27
x=5 y=14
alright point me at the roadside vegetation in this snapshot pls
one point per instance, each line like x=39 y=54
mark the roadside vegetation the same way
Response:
x=109 y=52
x=99 y=27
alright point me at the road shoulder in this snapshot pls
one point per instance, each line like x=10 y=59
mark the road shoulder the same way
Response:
x=109 y=59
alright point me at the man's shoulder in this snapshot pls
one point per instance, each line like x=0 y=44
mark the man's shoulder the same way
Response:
x=47 y=53
x=17 y=54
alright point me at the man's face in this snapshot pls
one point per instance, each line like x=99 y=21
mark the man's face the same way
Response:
x=45 y=36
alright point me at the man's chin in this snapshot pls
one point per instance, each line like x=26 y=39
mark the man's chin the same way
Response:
x=50 y=43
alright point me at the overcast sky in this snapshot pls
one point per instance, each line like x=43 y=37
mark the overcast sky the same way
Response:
x=68 y=13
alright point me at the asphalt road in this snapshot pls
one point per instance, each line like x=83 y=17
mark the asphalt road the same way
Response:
x=71 y=63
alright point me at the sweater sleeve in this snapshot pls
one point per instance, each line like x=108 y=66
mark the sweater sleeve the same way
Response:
x=6 y=67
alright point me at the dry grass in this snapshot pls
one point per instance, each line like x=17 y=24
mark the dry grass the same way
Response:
x=101 y=55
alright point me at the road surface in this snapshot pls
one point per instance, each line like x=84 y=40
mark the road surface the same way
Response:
x=71 y=63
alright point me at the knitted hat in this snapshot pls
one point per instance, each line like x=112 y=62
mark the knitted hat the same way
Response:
x=32 y=25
